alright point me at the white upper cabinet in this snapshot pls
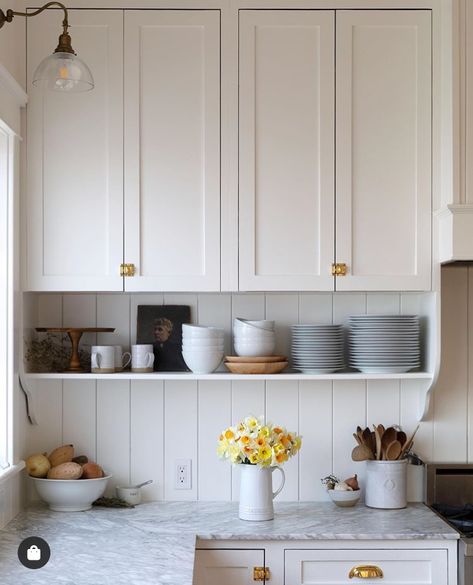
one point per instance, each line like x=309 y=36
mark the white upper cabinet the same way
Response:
x=172 y=149
x=286 y=150
x=383 y=149
x=74 y=202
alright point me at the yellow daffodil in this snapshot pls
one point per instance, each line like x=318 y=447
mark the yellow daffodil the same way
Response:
x=258 y=443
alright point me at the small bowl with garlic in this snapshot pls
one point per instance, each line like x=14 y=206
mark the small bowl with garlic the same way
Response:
x=343 y=493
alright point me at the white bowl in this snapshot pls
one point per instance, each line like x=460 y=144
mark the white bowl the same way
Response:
x=246 y=323
x=202 y=350
x=200 y=331
x=344 y=499
x=70 y=495
x=202 y=362
x=254 y=349
x=202 y=343
x=255 y=334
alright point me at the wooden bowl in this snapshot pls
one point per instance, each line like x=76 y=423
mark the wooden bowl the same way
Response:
x=256 y=368
x=255 y=360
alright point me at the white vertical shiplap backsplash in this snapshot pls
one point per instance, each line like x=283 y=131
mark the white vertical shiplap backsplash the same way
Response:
x=137 y=429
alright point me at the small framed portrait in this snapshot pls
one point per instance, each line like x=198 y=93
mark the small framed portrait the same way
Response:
x=161 y=325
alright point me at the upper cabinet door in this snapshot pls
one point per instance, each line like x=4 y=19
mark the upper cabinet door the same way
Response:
x=286 y=150
x=172 y=149
x=74 y=200
x=383 y=137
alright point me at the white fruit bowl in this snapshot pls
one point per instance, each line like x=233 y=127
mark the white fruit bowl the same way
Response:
x=70 y=495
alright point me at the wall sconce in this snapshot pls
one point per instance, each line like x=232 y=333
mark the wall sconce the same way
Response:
x=63 y=70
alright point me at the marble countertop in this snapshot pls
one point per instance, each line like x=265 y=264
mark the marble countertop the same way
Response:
x=154 y=543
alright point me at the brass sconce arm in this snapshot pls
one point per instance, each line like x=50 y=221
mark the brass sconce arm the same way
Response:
x=64 y=45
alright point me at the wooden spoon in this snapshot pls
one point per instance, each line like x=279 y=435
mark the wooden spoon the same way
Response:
x=388 y=437
x=393 y=451
x=367 y=437
x=357 y=439
x=378 y=442
x=401 y=437
x=362 y=453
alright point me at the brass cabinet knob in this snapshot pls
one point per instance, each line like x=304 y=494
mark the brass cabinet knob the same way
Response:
x=366 y=572
x=261 y=574
x=339 y=269
x=127 y=270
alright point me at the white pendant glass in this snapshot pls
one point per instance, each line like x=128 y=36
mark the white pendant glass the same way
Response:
x=63 y=72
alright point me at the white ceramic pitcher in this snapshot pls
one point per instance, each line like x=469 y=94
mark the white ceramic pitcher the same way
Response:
x=256 y=492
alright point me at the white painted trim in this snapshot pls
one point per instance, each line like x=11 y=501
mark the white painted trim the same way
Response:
x=227 y=376
x=13 y=87
x=11 y=471
x=455 y=226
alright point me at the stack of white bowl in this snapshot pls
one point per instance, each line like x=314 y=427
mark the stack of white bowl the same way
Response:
x=202 y=348
x=254 y=338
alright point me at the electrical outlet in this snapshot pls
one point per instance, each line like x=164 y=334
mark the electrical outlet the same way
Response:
x=183 y=474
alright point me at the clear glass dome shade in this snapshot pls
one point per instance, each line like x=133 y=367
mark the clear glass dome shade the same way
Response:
x=63 y=72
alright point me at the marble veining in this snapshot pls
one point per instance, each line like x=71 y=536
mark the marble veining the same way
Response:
x=154 y=543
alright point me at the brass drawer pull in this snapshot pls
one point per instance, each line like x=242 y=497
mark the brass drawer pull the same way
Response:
x=261 y=574
x=127 y=270
x=339 y=269
x=366 y=572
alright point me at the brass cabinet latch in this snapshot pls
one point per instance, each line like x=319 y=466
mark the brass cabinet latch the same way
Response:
x=339 y=269
x=366 y=572
x=261 y=574
x=127 y=270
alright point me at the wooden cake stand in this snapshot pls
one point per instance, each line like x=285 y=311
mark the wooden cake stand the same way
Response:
x=75 y=333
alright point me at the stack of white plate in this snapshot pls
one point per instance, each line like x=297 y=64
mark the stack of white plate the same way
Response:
x=317 y=349
x=254 y=338
x=202 y=348
x=387 y=344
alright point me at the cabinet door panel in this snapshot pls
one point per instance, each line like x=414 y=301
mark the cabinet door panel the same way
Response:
x=74 y=202
x=383 y=137
x=172 y=151
x=286 y=166
x=400 y=567
x=229 y=567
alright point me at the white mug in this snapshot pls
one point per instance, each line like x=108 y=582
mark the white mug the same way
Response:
x=121 y=359
x=142 y=358
x=103 y=359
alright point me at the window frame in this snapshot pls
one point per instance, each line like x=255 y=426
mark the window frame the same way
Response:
x=7 y=187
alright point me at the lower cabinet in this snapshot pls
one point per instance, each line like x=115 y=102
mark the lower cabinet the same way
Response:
x=227 y=566
x=390 y=567
x=279 y=563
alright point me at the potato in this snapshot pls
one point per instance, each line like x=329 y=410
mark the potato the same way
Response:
x=91 y=471
x=67 y=470
x=38 y=465
x=62 y=454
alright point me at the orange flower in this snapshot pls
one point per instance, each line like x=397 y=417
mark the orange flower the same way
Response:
x=229 y=434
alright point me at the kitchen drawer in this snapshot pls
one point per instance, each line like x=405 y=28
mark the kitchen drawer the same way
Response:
x=399 y=567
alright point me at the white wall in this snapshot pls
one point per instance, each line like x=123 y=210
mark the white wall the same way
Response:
x=13 y=43
x=138 y=429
